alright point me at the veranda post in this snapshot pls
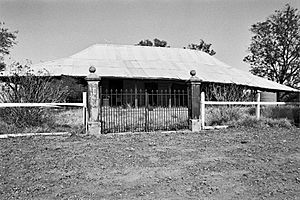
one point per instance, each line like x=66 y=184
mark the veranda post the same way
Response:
x=93 y=80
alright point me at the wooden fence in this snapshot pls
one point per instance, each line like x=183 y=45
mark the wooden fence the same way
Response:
x=258 y=104
x=55 y=105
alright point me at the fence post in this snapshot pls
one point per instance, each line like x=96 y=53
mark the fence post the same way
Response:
x=258 y=105
x=93 y=104
x=84 y=110
x=299 y=109
x=146 y=110
x=135 y=95
x=194 y=84
x=170 y=94
x=202 y=110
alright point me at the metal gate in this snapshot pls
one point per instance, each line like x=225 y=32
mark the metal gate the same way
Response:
x=142 y=110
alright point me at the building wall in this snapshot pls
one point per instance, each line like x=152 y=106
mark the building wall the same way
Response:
x=268 y=97
x=128 y=84
x=79 y=85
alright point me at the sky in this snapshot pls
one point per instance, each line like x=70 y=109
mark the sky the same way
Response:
x=53 y=29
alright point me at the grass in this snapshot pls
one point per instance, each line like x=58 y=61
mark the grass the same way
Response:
x=223 y=115
x=58 y=120
x=237 y=116
x=113 y=119
x=250 y=163
x=134 y=119
x=291 y=113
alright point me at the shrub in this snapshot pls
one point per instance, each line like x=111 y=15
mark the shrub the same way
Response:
x=237 y=116
x=228 y=92
x=220 y=115
x=252 y=122
x=281 y=112
x=25 y=86
x=279 y=123
x=5 y=128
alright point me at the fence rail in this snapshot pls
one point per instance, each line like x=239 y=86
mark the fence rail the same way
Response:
x=55 y=105
x=249 y=103
x=9 y=105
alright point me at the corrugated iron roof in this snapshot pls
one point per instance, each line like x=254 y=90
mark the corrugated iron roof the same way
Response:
x=153 y=63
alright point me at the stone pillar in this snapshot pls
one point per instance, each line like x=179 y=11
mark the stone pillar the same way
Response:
x=195 y=95
x=194 y=101
x=93 y=80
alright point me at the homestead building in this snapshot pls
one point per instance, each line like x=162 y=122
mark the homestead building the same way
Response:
x=150 y=88
x=130 y=67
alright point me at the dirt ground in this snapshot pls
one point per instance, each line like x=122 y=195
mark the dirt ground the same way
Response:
x=224 y=164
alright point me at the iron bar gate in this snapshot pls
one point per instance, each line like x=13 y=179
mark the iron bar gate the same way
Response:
x=142 y=110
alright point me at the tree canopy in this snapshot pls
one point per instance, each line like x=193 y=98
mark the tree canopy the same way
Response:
x=7 y=40
x=156 y=43
x=202 y=46
x=274 y=52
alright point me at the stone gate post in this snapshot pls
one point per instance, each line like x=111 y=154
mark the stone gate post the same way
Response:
x=194 y=84
x=93 y=81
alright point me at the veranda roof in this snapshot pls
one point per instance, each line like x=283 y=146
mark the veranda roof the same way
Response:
x=143 y=62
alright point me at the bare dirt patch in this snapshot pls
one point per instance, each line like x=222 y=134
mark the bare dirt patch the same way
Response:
x=226 y=164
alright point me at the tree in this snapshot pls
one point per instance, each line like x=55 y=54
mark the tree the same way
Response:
x=275 y=47
x=145 y=43
x=156 y=43
x=202 y=46
x=7 y=40
x=159 y=43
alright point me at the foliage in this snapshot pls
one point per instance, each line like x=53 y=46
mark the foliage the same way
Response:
x=202 y=46
x=62 y=120
x=244 y=116
x=25 y=86
x=275 y=47
x=156 y=43
x=220 y=115
x=75 y=87
x=291 y=113
x=7 y=40
x=159 y=43
x=252 y=122
x=228 y=92
x=7 y=129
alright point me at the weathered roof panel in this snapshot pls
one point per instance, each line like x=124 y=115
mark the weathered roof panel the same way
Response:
x=153 y=62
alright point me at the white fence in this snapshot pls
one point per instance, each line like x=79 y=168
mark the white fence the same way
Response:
x=203 y=103
x=57 y=105
x=258 y=103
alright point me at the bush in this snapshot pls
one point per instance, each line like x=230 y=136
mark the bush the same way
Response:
x=25 y=86
x=252 y=122
x=60 y=120
x=237 y=116
x=281 y=112
x=279 y=123
x=221 y=115
x=5 y=128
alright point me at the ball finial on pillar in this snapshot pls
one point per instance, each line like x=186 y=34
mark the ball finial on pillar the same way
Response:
x=193 y=72
x=194 y=78
x=92 y=76
x=92 y=69
x=93 y=103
